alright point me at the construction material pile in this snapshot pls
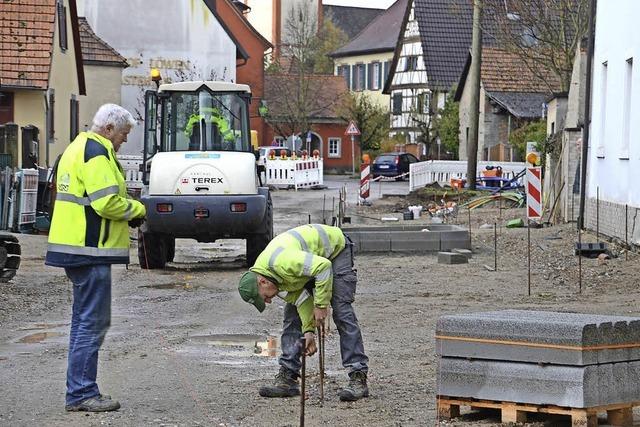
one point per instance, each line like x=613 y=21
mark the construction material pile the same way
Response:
x=539 y=357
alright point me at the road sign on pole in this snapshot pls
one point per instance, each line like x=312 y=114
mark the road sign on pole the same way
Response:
x=352 y=129
x=534 y=193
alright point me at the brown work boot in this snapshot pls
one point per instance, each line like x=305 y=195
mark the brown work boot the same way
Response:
x=285 y=384
x=357 y=388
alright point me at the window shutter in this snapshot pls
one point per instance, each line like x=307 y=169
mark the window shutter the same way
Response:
x=381 y=81
x=397 y=103
x=349 y=83
x=386 y=71
x=75 y=118
x=369 y=76
x=62 y=25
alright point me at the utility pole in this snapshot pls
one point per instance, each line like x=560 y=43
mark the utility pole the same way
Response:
x=474 y=87
x=586 y=132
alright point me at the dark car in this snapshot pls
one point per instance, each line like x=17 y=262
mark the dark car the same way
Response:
x=392 y=164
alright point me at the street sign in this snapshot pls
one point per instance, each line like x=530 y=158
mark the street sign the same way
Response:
x=534 y=193
x=352 y=129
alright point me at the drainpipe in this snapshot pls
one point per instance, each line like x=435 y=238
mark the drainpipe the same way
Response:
x=47 y=125
x=587 y=113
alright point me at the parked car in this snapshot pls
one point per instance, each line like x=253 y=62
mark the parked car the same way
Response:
x=263 y=153
x=392 y=164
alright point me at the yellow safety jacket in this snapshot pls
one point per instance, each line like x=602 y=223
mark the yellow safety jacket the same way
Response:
x=295 y=257
x=89 y=224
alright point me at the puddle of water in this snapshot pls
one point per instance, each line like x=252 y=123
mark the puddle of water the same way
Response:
x=38 y=326
x=260 y=345
x=177 y=285
x=38 y=337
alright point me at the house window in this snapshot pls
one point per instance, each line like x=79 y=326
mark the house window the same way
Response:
x=74 y=116
x=626 y=113
x=423 y=103
x=62 y=24
x=603 y=109
x=375 y=76
x=360 y=77
x=278 y=141
x=6 y=107
x=385 y=72
x=334 y=147
x=411 y=63
x=396 y=107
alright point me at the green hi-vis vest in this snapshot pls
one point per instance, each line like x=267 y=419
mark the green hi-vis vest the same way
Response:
x=295 y=257
x=89 y=224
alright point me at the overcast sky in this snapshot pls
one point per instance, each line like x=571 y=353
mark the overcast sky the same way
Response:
x=378 y=4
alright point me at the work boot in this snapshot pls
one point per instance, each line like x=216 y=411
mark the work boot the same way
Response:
x=284 y=385
x=357 y=388
x=98 y=403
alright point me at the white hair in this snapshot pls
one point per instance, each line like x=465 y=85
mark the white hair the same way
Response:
x=112 y=114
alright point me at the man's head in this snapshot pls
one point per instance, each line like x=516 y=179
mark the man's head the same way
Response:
x=114 y=123
x=257 y=290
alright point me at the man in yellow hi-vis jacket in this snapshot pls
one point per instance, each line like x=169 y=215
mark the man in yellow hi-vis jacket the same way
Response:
x=89 y=232
x=309 y=267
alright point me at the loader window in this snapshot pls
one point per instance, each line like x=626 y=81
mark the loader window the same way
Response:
x=203 y=121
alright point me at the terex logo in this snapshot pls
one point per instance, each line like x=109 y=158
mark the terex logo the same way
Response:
x=207 y=180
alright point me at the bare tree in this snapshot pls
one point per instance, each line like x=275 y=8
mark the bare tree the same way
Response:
x=544 y=34
x=371 y=119
x=296 y=93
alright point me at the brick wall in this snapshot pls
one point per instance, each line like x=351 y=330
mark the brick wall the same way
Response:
x=608 y=219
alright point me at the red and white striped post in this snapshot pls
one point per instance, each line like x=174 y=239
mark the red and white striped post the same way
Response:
x=365 y=178
x=534 y=210
x=534 y=193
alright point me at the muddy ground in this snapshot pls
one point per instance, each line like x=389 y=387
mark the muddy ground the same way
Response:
x=185 y=350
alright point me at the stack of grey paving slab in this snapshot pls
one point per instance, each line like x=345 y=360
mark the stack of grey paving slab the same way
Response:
x=539 y=357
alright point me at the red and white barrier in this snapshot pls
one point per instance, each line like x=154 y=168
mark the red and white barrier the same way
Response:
x=534 y=193
x=294 y=173
x=365 y=177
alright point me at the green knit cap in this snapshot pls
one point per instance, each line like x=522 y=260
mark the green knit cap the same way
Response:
x=248 y=288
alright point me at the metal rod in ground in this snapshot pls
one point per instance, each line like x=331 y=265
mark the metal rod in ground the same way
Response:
x=321 y=360
x=579 y=261
x=302 y=379
x=495 y=246
x=598 y=214
x=309 y=219
x=470 y=245
x=626 y=232
x=324 y=199
x=529 y=256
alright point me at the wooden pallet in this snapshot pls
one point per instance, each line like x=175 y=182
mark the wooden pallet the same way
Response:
x=617 y=415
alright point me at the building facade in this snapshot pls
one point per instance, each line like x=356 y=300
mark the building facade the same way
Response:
x=40 y=82
x=613 y=199
x=184 y=40
x=365 y=61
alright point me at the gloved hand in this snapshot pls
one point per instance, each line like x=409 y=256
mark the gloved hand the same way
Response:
x=136 y=222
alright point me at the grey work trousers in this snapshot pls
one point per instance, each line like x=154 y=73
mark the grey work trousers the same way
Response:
x=344 y=317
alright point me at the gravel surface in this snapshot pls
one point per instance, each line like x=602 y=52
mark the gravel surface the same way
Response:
x=184 y=349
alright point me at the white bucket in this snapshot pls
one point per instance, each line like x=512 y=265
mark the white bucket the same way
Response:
x=416 y=211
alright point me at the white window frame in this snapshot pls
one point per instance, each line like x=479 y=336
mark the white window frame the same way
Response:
x=338 y=152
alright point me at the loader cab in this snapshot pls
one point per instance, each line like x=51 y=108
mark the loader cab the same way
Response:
x=201 y=117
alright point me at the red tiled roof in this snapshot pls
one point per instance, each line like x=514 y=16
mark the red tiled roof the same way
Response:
x=96 y=50
x=26 y=42
x=504 y=71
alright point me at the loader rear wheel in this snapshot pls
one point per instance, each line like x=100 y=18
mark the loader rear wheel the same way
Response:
x=152 y=250
x=9 y=257
x=257 y=242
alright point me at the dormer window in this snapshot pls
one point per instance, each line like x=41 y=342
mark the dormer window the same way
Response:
x=62 y=24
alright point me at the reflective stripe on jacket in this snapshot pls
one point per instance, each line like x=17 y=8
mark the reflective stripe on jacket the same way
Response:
x=89 y=224
x=295 y=257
